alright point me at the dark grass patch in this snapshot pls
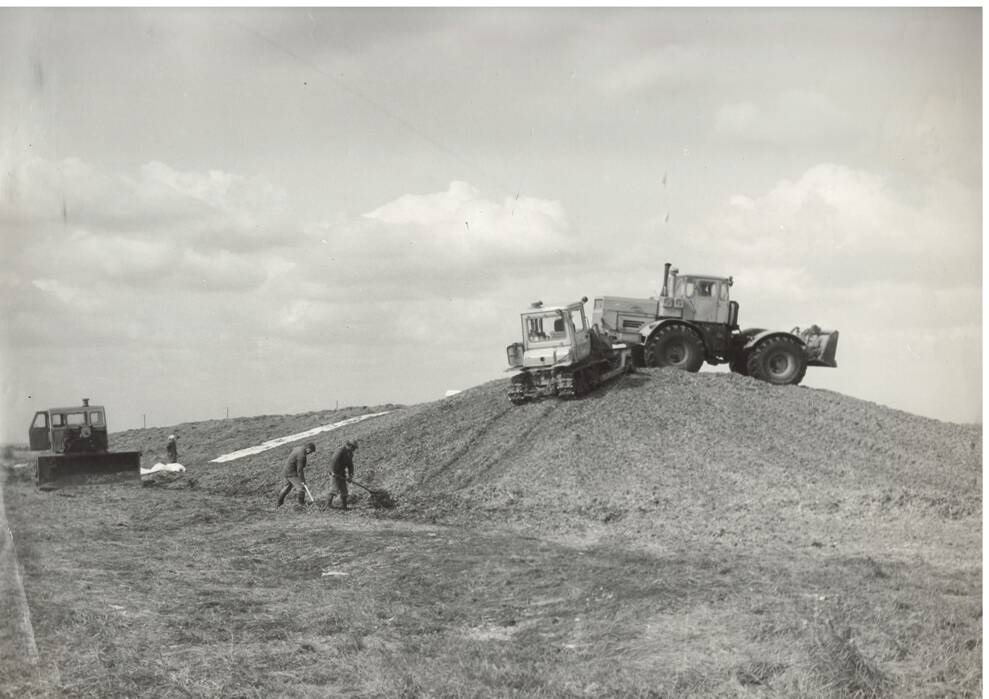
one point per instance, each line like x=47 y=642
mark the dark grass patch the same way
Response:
x=843 y=668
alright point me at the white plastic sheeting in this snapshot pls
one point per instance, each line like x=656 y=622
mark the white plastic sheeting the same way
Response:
x=271 y=444
x=173 y=468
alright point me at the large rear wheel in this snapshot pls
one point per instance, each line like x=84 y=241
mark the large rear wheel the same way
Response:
x=778 y=360
x=675 y=346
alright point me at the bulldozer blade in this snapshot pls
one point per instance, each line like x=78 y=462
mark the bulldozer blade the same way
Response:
x=55 y=471
x=821 y=347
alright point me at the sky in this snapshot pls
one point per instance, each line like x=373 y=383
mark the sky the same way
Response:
x=212 y=212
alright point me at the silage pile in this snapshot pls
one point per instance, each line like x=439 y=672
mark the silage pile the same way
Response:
x=662 y=453
x=709 y=455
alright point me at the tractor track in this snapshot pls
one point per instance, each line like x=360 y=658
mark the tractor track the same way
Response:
x=432 y=474
x=497 y=465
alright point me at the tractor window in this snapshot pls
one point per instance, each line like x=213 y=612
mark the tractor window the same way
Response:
x=688 y=289
x=96 y=418
x=536 y=329
x=40 y=420
x=577 y=318
x=76 y=418
x=724 y=292
x=58 y=420
x=546 y=328
x=705 y=288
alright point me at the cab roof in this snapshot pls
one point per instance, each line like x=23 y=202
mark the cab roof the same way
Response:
x=551 y=309
x=716 y=277
x=76 y=409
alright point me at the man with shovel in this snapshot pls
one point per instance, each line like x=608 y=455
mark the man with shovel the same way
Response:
x=342 y=467
x=295 y=474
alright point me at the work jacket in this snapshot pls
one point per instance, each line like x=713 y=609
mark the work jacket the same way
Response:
x=296 y=464
x=342 y=463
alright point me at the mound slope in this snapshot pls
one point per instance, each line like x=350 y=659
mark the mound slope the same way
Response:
x=660 y=456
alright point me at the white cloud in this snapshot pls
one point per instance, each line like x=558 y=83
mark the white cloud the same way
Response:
x=448 y=244
x=419 y=268
x=795 y=116
x=660 y=67
x=460 y=226
x=211 y=209
x=845 y=225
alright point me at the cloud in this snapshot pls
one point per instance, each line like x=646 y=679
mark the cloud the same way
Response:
x=212 y=209
x=796 y=116
x=451 y=243
x=849 y=226
x=667 y=66
x=95 y=257
x=460 y=225
x=420 y=266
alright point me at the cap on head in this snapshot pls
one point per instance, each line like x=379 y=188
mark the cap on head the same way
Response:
x=171 y=438
x=351 y=444
x=310 y=446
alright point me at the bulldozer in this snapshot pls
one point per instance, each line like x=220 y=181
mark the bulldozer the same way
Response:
x=561 y=355
x=79 y=445
x=694 y=320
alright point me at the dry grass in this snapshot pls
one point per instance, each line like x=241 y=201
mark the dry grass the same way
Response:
x=170 y=593
x=758 y=543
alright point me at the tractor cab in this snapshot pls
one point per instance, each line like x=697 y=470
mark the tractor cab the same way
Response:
x=551 y=336
x=700 y=298
x=66 y=430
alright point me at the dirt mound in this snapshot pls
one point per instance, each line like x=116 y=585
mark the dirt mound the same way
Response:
x=661 y=453
x=665 y=450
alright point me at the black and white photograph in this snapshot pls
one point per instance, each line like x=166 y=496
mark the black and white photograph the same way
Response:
x=479 y=351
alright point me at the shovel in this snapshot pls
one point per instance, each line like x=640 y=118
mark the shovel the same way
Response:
x=309 y=497
x=379 y=497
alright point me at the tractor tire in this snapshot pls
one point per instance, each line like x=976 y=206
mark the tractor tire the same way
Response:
x=778 y=360
x=675 y=346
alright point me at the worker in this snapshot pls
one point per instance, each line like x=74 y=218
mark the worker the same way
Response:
x=173 y=449
x=295 y=473
x=342 y=467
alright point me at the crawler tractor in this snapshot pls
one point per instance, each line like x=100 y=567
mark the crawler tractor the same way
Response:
x=77 y=438
x=560 y=355
x=693 y=321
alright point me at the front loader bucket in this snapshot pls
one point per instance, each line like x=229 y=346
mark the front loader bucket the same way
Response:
x=55 y=471
x=821 y=346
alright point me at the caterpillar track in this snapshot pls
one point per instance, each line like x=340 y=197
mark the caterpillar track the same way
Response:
x=566 y=383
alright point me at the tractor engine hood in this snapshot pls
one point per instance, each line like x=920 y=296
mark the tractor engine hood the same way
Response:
x=547 y=357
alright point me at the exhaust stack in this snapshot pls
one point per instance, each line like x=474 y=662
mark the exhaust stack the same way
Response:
x=666 y=279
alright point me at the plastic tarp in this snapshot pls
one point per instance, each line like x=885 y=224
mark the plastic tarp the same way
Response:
x=172 y=468
x=293 y=438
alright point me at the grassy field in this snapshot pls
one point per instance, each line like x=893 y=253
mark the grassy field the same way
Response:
x=183 y=593
x=674 y=535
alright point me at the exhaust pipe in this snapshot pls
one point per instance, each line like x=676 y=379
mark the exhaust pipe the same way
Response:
x=666 y=279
